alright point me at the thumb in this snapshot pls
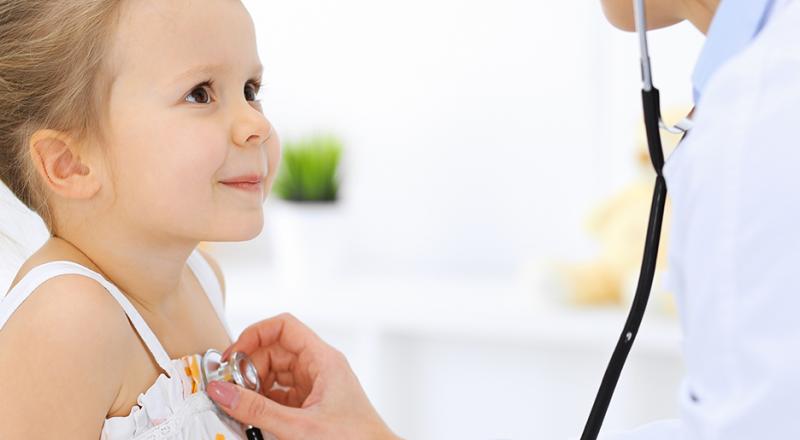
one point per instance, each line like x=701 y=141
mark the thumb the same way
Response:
x=252 y=408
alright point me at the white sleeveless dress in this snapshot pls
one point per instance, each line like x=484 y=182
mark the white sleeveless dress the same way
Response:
x=176 y=405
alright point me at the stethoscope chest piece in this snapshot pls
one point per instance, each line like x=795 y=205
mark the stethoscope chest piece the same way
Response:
x=239 y=369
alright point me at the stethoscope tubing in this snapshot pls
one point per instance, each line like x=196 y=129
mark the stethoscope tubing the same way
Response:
x=611 y=377
x=253 y=433
x=652 y=119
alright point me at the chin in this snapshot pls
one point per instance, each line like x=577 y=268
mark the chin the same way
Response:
x=241 y=229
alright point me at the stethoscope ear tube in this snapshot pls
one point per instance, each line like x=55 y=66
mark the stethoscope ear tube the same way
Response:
x=651 y=106
x=625 y=342
x=652 y=120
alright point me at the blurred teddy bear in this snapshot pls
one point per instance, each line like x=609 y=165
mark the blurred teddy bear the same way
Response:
x=619 y=225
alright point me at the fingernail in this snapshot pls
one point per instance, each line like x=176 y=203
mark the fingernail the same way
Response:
x=226 y=353
x=224 y=393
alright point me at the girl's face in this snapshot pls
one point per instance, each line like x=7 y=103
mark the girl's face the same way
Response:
x=173 y=140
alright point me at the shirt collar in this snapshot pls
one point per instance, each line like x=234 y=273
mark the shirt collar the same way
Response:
x=735 y=24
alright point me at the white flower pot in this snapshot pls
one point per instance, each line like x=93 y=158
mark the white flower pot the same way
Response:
x=308 y=241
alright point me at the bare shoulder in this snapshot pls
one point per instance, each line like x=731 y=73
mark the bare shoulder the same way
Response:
x=217 y=270
x=62 y=359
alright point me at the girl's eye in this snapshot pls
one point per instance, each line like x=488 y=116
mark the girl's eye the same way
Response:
x=202 y=88
x=253 y=91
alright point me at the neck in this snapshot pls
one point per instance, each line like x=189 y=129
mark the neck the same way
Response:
x=700 y=12
x=148 y=270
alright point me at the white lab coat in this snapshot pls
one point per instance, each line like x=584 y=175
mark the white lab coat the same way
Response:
x=734 y=255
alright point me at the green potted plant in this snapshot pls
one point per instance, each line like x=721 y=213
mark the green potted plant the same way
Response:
x=306 y=216
x=309 y=170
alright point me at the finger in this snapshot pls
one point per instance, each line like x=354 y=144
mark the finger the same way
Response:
x=284 y=330
x=285 y=379
x=274 y=360
x=291 y=397
x=281 y=369
x=285 y=391
x=261 y=334
x=251 y=408
x=279 y=396
x=279 y=359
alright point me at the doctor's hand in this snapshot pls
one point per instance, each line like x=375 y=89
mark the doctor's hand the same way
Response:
x=317 y=395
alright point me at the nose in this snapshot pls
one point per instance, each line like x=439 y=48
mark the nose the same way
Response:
x=251 y=127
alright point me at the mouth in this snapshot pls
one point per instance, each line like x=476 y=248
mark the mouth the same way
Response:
x=248 y=183
x=247 y=186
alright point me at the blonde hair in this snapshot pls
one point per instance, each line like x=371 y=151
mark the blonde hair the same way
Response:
x=55 y=73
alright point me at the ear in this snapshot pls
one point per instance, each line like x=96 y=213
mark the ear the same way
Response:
x=55 y=156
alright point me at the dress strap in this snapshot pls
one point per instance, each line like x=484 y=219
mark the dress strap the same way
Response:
x=210 y=284
x=43 y=272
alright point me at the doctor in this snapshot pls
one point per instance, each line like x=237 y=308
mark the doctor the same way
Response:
x=734 y=253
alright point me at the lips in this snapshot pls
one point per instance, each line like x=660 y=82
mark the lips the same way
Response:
x=247 y=178
x=247 y=182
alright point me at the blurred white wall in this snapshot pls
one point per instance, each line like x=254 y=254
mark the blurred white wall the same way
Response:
x=479 y=133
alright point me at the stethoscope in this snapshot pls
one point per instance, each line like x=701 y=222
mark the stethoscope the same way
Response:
x=239 y=369
x=652 y=122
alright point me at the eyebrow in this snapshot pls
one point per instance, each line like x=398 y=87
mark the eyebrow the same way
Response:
x=211 y=68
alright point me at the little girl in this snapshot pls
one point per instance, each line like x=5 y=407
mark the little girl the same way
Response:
x=133 y=129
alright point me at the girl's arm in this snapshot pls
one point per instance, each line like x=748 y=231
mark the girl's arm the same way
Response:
x=62 y=360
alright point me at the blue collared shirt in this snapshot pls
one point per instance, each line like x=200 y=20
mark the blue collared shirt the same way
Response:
x=735 y=24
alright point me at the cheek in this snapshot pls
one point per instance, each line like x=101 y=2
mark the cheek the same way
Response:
x=167 y=169
x=189 y=168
